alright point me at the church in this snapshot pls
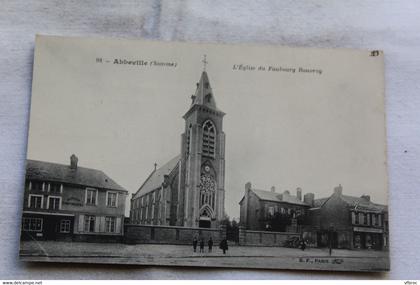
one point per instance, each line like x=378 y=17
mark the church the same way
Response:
x=189 y=190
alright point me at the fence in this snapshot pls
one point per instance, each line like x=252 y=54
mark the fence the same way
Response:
x=264 y=238
x=134 y=234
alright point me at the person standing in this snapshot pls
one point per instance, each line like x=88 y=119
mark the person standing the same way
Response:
x=210 y=244
x=201 y=245
x=224 y=246
x=195 y=241
x=302 y=244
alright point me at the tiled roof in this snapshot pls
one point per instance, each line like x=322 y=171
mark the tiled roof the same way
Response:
x=357 y=202
x=363 y=204
x=278 y=197
x=155 y=179
x=319 y=202
x=48 y=171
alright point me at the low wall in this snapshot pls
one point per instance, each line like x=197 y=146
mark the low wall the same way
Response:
x=134 y=234
x=263 y=238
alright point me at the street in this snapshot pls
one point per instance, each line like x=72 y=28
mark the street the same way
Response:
x=181 y=255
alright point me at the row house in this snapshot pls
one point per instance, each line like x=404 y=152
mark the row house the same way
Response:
x=262 y=210
x=348 y=222
x=68 y=202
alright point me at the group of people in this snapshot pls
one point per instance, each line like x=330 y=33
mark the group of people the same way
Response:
x=200 y=241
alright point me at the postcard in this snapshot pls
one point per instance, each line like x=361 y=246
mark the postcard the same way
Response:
x=209 y=155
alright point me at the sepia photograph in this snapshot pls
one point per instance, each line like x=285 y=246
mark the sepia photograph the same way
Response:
x=206 y=155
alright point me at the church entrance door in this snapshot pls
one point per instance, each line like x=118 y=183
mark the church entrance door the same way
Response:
x=204 y=224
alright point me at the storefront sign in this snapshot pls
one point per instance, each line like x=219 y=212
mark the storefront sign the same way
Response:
x=367 y=230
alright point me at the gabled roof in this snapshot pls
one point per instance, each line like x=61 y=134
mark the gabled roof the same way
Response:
x=319 y=202
x=362 y=203
x=278 y=197
x=354 y=202
x=156 y=178
x=55 y=172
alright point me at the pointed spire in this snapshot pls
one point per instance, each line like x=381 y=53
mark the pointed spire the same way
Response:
x=204 y=94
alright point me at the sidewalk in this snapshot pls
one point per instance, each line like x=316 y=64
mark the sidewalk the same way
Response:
x=237 y=256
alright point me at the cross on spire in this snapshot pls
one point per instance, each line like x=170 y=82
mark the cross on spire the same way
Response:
x=204 y=61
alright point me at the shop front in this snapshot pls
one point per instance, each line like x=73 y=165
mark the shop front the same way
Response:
x=367 y=238
x=47 y=226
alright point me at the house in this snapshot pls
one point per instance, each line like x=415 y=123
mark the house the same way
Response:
x=69 y=202
x=347 y=222
x=262 y=210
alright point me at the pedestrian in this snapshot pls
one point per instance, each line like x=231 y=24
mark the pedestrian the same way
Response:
x=210 y=243
x=223 y=246
x=302 y=244
x=201 y=245
x=195 y=241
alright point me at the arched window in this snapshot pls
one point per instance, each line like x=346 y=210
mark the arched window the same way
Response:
x=208 y=98
x=209 y=138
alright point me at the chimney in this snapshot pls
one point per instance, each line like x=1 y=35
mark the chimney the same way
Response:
x=366 y=197
x=248 y=186
x=155 y=165
x=338 y=190
x=299 y=193
x=273 y=189
x=309 y=198
x=73 y=161
x=192 y=98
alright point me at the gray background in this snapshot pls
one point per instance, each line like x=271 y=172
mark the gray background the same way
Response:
x=392 y=26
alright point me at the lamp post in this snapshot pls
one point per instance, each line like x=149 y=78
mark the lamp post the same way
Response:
x=330 y=237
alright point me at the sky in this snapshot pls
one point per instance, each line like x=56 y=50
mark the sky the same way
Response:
x=315 y=128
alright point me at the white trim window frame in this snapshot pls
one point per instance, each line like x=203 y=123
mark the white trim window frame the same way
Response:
x=53 y=197
x=89 y=198
x=27 y=226
x=36 y=186
x=110 y=224
x=89 y=223
x=65 y=226
x=35 y=195
x=110 y=194
x=55 y=188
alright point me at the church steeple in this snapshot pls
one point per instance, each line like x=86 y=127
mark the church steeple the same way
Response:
x=203 y=94
x=202 y=166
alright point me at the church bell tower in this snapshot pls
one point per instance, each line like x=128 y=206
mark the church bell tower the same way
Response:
x=202 y=171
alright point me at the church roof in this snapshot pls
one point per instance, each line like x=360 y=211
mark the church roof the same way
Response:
x=278 y=197
x=55 y=172
x=156 y=178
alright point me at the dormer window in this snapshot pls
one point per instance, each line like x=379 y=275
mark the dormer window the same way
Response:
x=209 y=138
